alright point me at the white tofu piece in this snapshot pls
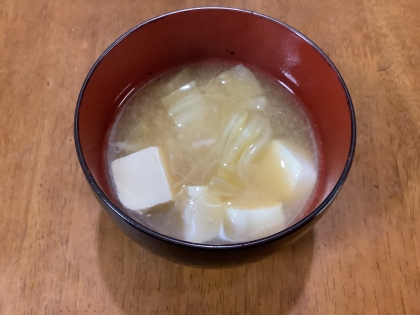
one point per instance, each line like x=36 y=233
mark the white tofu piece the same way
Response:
x=297 y=167
x=242 y=225
x=284 y=171
x=142 y=180
x=202 y=221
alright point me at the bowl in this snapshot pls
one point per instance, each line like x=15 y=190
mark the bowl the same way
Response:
x=201 y=34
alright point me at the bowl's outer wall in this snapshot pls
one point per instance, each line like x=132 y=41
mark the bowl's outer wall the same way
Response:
x=207 y=34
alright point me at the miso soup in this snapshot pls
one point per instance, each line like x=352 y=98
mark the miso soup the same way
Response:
x=213 y=153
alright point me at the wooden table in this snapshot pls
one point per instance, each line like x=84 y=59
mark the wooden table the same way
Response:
x=60 y=254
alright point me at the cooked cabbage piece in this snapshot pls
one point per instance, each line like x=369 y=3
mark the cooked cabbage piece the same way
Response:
x=186 y=104
x=244 y=136
x=237 y=85
x=257 y=103
x=181 y=78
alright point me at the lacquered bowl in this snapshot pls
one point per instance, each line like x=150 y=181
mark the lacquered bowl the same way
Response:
x=201 y=34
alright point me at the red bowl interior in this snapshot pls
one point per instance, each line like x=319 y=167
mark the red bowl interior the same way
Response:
x=225 y=34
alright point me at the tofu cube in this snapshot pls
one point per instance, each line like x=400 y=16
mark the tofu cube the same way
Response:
x=142 y=180
x=202 y=221
x=283 y=172
x=250 y=224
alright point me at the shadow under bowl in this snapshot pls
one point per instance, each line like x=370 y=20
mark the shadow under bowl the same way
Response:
x=202 y=34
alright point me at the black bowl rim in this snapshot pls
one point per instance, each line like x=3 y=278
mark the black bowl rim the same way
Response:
x=275 y=237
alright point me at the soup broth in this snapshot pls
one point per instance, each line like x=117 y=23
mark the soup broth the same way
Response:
x=235 y=149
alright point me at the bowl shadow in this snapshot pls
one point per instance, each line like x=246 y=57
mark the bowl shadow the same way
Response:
x=141 y=282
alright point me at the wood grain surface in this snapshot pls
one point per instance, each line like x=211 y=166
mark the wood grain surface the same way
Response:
x=60 y=254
